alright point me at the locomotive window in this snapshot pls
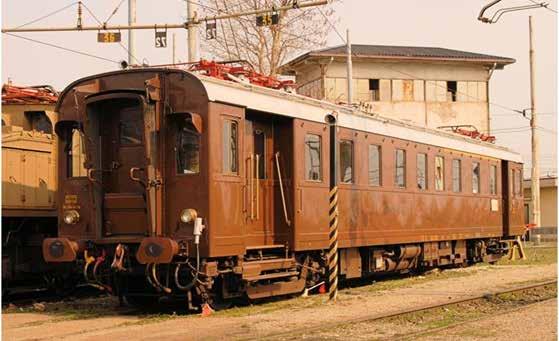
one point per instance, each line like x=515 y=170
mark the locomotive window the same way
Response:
x=517 y=176
x=346 y=161
x=475 y=177
x=230 y=146
x=188 y=149
x=260 y=150
x=75 y=151
x=456 y=175
x=131 y=126
x=439 y=173
x=422 y=171
x=374 y=165
x=313 y=160
x=493 y=179
x=400 y=180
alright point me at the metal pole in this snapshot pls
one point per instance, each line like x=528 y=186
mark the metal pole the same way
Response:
x=349 y=71
x=192 y=34
x=174 y=49
x=331 y=119
x=131 y=22
x=535 y=139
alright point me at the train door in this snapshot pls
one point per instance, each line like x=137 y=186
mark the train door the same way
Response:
x=507 y=191
x=260 y=182
x=123 y=164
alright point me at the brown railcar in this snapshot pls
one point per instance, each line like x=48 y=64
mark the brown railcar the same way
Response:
x=214 y=189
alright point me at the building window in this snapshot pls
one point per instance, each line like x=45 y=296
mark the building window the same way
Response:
x=313 y=159
x=346 y=161
x=475 y=177
x=230 y=147
x=374 y=87
x=188 y=149
x=374 y=165
x=451 y=89
x=422 y=171
x=439 y=173
x=456 y=175
x=400 y=178
x=493 y=179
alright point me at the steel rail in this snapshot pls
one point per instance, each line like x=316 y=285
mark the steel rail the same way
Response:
x=373 y=317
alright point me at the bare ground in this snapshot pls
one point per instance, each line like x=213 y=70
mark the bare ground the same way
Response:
x=260 y=320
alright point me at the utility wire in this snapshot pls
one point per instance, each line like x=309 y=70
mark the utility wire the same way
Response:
x=114 y=12
x=64 y=48
x=548 y=8
x=48 y=15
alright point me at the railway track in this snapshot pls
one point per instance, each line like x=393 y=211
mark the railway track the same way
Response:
x=376 y=317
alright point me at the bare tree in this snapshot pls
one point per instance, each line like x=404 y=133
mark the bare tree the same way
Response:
x=265 y=47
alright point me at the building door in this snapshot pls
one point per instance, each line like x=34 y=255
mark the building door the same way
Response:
x=260 y=182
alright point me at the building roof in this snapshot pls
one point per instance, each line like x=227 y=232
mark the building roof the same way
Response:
x=405 y=53
x=548 y=181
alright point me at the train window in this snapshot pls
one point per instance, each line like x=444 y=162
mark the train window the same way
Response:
x=346 y=161
x=517 y=182
x=75 y=151
x=439 y=173
x=188 y=149
x=475 y=177
x=421 y=171
x=230 y=146
x=400 y=179
x=456 y=175
x=131 y=126
x=493 y=179
x=260 y=150
x=313 y=159
x=374 y=165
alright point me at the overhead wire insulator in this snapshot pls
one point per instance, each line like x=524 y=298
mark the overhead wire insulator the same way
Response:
x=79 y=22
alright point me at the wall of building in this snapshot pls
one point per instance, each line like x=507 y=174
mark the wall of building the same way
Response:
x=411 y=91
x=548 y=199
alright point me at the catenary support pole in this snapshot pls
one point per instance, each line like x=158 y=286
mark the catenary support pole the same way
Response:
x=131 y=22
x=333 y=210
x=349 y=71
x=535 y=139
x=192 y=33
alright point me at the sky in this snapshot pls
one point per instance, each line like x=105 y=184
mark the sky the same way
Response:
x=439 y=23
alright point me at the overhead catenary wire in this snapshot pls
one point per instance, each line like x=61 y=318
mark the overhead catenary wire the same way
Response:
x=64 y=48
x=48 y=15
x=104 y=29
x=546 y=7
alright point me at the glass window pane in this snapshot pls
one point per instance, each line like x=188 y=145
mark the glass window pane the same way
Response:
x=131 y=126
x=76 y=154
x=439 y=173
x=188 y=150
x=493 y=180
x=313 y=157
x=475 y=177
x=346 y=161
x=260 y=152
x=400 y=180
x=230 y=137
x=422 y=171
x=374 y=165
x=456 y=175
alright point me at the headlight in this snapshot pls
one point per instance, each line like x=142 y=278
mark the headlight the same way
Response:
x=71 y=217
x=188 y=215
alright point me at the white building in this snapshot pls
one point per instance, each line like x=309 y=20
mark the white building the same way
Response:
x=426 y=86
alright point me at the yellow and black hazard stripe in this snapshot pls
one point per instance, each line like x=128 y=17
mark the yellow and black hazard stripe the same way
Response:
x=333 y=244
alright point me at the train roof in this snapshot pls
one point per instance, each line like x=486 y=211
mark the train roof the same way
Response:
x=293 y=105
